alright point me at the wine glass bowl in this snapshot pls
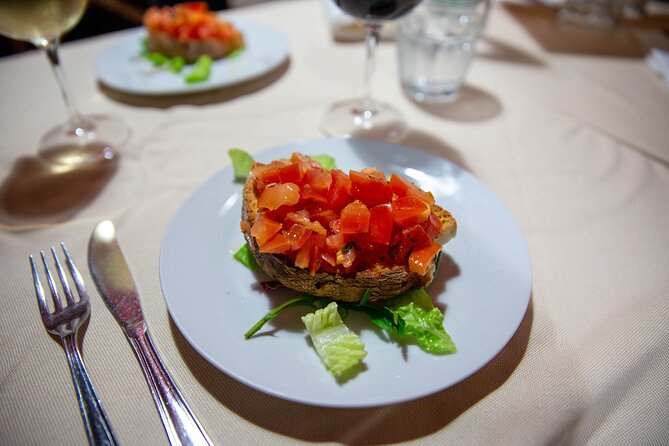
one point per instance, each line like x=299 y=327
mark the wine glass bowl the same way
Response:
x=364 y=116
x=82 y=139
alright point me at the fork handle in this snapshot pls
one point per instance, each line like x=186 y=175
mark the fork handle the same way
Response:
x=180 y=424
x=98 y=430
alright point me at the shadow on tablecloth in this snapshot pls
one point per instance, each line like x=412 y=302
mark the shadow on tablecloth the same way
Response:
x=37 y=193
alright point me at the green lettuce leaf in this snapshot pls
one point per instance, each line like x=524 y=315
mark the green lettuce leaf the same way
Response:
x=339 y=348
x=242 y=163
x=326 y=161
x=423 y=322
x=244 y=256
x=201 y=70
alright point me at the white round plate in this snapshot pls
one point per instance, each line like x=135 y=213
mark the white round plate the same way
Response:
x=122 y=67
x=214 y=299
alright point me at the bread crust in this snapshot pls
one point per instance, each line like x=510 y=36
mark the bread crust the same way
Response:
x=383 y=282
x=190 y=50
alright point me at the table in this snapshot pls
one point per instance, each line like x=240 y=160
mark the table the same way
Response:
x=569 y=129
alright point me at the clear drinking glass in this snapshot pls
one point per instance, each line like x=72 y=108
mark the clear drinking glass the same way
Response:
x=81 y=139
x=365 y=116
x=435 y=45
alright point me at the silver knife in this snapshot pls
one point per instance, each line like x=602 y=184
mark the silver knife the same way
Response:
x=112 y=277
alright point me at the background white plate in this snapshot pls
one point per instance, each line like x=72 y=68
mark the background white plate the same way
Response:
x=121 y=66
x=213 y=299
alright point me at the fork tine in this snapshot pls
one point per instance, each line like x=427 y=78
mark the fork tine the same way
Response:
x=39 y=290
x=63 y=280
x=78 y=280
x=52 y=285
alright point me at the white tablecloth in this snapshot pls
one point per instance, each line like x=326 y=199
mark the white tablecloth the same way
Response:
x=568 y=127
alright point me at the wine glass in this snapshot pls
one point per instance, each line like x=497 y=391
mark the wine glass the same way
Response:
x=82 y=139
x=364 y=116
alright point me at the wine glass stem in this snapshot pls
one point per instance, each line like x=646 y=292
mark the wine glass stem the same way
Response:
x=372 y=31
x=50 y=47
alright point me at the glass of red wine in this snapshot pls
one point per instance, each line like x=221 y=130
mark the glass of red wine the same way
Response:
x=365 y=117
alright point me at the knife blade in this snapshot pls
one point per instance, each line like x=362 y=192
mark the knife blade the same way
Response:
x=112 y=276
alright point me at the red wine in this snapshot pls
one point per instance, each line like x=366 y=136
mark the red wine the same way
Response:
x=377 y=9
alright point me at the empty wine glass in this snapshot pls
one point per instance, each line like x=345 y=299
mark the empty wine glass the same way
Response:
x=365 y=116
x=81 y=139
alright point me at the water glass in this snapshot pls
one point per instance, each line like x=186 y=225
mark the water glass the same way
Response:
x=435 y=46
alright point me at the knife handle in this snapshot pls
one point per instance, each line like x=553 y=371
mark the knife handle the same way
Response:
x=180 y=424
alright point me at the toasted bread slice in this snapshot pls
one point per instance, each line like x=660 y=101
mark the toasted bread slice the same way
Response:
x=382 y=281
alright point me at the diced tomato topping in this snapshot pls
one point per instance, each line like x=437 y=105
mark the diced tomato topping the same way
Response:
x=309 y=192
x=421 y=258
x=355 y=218
x=380 y=224
x=264 y=229
x=298 y=235
x=409 y=210
x=339 y=194
x=302 y=217
x=277 y=244
x=276 y=195
x=303 y=256
x=370 y=189
x=335 y=241
x=320 y=179
x=415 y=236
x=328 y=221
x=191 y=21
x=266 y=173
x=433 y=226
x=292 y=173
x=405 y=188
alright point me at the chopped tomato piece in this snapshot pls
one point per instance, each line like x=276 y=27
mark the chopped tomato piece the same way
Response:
x=297 y=157
x=309 y=192
x=409 y=211
x=340 y=190
x=355 y=218
x=264 y=229
x=276 y=195
x=303 y=256
x=433 y=226
x=329 y=258
x=335 y=241
x=405 y=188
x=416 y=236
x=277 y=244
x=421 y=258
x=380 y=224
x=292 y=173
x=320 y=179
x=302 y=217
x=298 y=235
x=370 y=189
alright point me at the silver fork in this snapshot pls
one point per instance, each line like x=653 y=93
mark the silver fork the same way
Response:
x=64 y=322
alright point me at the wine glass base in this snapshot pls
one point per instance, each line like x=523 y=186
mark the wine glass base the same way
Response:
x=354 y=119
x=96 y=138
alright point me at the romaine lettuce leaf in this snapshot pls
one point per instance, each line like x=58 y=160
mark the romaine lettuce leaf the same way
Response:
x=242 y=163
x=339 y=348
x=244 y=256
x=422 y=321
x=326 y=161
